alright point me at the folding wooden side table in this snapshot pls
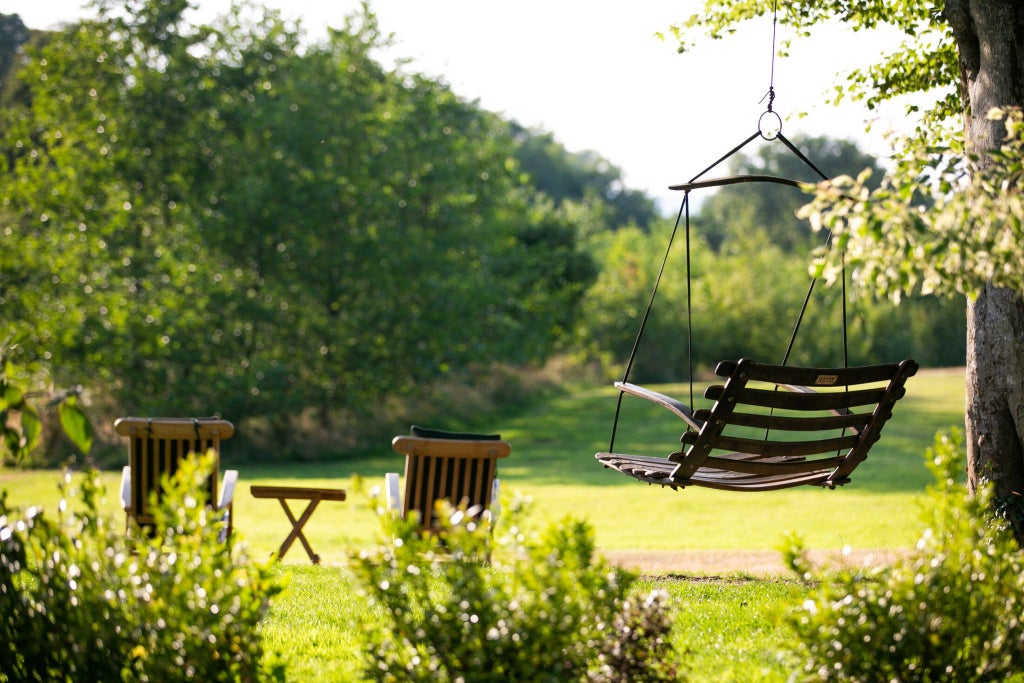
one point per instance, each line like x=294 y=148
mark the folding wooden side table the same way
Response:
x=285 y=493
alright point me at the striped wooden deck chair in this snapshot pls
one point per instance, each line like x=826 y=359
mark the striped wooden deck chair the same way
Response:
x=155 y=446
x=457 y=467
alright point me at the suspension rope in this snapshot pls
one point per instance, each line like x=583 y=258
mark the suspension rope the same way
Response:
x=647 y=314
x=684 y=211
x=771 y=78
x=689 y=306
x=766 y=131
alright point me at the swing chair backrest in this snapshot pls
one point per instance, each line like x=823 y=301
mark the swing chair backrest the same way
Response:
x=773 y=426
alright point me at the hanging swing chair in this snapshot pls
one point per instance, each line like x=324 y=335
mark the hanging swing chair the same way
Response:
x=770 y=426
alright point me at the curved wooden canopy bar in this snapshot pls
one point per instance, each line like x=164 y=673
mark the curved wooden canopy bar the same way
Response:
x=735 y=180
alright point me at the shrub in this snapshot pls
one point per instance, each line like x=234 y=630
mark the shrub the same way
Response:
x=542 y=608
x=953 y=610
x=78 y=602
x=637 y=646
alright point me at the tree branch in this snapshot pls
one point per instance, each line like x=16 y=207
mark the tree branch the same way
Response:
x=957 y=14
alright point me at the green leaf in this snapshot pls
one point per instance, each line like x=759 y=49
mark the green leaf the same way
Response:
x=31 y=427
x=11 y=397
x=76 y=424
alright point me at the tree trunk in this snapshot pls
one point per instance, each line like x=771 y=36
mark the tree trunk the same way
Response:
x=990 y=40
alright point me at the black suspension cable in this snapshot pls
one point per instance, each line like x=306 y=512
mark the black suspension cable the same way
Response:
x=728 y=154
x=800 y=155
x=846 y=350
x=771 y=78
x=654 y=290
x=683 y=211
x=689 y=303
x=828 y=240
x=646 y=316
x=684 y=214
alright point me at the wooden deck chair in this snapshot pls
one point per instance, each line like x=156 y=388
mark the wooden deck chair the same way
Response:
x=155 y=446
x=793 y=426
x=439 y=465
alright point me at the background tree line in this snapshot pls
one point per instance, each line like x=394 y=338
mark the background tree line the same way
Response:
x=749 y=276
x=225 y=218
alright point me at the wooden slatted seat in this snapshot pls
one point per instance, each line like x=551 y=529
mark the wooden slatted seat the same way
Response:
x=457 y=467
x=773 y=427
x=155 y=447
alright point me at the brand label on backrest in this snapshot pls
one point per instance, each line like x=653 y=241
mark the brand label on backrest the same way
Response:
x=824 y=380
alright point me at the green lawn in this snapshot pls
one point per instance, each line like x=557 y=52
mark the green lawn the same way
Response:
x=552 y=462
x=728 y=627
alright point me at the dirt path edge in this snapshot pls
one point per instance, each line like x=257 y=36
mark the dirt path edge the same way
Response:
x=753 y=562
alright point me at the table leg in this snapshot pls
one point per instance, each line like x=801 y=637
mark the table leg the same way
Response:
x=296 y=532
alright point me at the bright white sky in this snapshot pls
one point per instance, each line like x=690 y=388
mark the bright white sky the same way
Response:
x=592 y=73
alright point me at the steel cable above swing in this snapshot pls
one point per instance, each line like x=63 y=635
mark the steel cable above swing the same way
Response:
x=769 y=127
x=824 y=435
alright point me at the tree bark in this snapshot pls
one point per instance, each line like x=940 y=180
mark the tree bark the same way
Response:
x=990 y=41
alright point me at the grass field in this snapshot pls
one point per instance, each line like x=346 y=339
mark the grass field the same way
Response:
x=728 y=627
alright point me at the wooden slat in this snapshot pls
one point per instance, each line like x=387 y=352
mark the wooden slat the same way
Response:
x=799 y=423
x=483 y=479
x=141 y=477
x=297 y=492
x=614 y=459
x=787 y=400
x=175 y=427
x=450 y=448
x=637 y=465
x=471 y=475
x=776 y=467
x=775 y=448
x=752 y=484
x=419 y=487
x=447 y=473
x=658 y=471
x=461 y=484
x=810 y=377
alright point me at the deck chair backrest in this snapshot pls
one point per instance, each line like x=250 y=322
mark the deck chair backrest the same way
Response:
x=772 y=420
x=156 y=445
x=460 y=470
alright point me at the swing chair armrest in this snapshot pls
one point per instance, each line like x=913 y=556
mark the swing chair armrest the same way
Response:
x=682 y=410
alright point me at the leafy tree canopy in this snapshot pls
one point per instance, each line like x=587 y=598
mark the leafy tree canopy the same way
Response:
x=223 y=218
x=578 y=176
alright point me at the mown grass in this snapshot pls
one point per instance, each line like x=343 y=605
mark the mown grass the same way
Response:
x=729 y=627
x=725 y=628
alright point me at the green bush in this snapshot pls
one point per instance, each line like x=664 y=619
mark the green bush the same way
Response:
x=637 y=647
x=80 y=602
x=466 y=606
x=953 y=610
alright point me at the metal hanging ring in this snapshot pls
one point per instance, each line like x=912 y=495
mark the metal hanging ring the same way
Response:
x=769 y=125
